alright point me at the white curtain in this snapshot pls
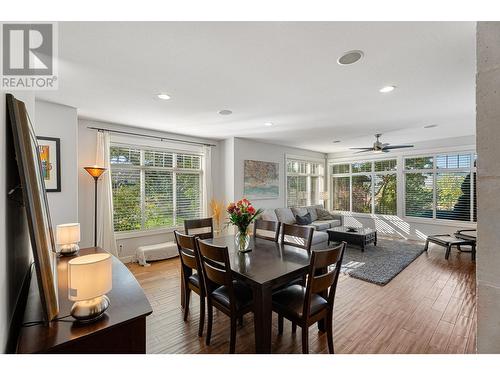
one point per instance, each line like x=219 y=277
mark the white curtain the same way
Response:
x=105 y=230
x=207 y=171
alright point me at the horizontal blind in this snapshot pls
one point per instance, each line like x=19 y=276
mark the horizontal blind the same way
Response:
x=126 y=186
x=341 y=193
x=453 y=196
x=154 y=188
x=296 y=191
x=158 y=199
x=385 y=194
x=362 y=193
x=419 y=193
x=188 y=196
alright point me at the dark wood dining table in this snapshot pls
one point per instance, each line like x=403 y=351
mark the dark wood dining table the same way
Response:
x=265 y=268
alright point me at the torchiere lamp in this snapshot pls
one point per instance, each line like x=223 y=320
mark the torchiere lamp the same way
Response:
x=95 y=172
x=324 y=197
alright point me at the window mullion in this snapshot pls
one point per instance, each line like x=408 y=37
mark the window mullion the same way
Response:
x=143 y=191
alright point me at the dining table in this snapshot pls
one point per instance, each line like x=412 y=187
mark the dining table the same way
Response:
x=265 y=268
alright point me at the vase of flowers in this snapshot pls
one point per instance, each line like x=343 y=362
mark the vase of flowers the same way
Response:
x=241 y=215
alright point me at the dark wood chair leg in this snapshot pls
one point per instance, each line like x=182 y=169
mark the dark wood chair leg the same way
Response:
x=294 y=327
x=305 y=340
x=186 y=303
x=448 y=250
x=426 y=248
x=232 y=339
x=202 y=316
x=329 y=332
x=280 y=324
x=210 y=314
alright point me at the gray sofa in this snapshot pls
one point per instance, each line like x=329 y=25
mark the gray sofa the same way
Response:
x=287 y=215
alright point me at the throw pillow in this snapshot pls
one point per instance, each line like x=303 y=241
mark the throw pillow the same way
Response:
x=303 y=220
x=324 y=214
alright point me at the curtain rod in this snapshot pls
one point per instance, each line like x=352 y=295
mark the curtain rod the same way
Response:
x=151 y=136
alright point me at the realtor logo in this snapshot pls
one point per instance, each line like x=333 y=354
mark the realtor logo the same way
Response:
x=29 y=56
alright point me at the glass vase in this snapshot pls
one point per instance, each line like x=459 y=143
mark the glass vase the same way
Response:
x=242 y=241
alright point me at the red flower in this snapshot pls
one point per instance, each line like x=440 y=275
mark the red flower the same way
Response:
x=251 y=210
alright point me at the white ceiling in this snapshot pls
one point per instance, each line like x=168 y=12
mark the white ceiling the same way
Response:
x=282 y=72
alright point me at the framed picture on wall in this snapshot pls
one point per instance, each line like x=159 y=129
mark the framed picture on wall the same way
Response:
x=50 y=156
x=261 y=179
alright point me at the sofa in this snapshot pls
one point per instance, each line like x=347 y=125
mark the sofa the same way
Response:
x=287 y=216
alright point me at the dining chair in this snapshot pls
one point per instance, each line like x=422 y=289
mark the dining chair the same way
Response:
x=297 y=235
x=231 y=297
x=307 y=305
x=201 y=228
x=262 y=229
x=188 y=254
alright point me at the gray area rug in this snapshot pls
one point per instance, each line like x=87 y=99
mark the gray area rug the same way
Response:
x=380 y=264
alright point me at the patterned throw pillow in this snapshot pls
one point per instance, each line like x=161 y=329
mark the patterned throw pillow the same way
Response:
x=303 y=220
x=324 y=214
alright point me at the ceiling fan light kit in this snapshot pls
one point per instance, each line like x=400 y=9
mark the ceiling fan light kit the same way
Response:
x=379 y=147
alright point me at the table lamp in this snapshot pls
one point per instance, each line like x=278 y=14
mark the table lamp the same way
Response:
x=89 y=279
x=95 y=172
x=68 y=236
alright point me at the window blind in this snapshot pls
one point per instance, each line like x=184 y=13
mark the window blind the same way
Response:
x=154 y=188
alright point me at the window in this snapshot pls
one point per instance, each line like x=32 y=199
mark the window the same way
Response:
x=154 y=188
x=441 y=187
x=365 y=187
x=304 y=182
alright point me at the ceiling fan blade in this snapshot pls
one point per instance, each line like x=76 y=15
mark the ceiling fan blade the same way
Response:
x=360 y=148
x=366 y=150
x=397 y=146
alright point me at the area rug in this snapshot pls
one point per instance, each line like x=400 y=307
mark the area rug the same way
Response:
x=380 y=264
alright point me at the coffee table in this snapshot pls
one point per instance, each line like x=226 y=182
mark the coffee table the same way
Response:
x=362 y=236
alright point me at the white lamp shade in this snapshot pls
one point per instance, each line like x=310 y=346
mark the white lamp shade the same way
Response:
x=89 y=276
x=323 y=195
x=68 y=233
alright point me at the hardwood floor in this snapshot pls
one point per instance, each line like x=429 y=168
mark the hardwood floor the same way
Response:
x=430 y=307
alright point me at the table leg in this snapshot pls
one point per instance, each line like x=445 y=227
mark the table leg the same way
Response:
x=262 y=299
x=375 y=243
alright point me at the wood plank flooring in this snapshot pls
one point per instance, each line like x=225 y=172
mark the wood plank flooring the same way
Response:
x=430 y=307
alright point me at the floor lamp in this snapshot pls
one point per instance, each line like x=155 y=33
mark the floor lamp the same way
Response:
x=95 y=172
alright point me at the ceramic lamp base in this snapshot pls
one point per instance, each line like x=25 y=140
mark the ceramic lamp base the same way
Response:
x=90 y=310
x=69 y=250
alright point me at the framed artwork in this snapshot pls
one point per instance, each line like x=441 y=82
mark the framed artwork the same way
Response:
x=261 y=179
x=50 y=156
x=36 y=204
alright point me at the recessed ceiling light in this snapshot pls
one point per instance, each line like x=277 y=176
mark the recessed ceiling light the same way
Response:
x=163 y=96
x=350 y=57
x=336 y=141
x=268 y=124
x=431 y=126
x=387 y=89
x=225 y=112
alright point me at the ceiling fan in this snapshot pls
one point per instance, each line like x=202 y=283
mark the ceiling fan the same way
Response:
x=379 y=146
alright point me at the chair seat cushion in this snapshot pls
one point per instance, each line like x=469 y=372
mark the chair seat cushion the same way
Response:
x=194 y=279
x=290 y=301
x=242 y=294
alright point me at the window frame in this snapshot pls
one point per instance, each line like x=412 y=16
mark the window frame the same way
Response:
x=174 y=169
x=400 y=156
x=371 y=174
x=308 y=174
x=435 y=171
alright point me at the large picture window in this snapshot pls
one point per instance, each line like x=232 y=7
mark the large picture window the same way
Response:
x=304 y=182
x=365 y=187
x=154 y=188
x=441 y=187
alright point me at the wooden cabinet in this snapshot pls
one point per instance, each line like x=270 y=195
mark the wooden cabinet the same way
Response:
x=121 y=330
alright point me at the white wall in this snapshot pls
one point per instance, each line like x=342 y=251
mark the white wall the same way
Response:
x=60 y=121
x=8 y=244
x=399 y=225
x=245 y=149
x=126 y=243
x=488 y=140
